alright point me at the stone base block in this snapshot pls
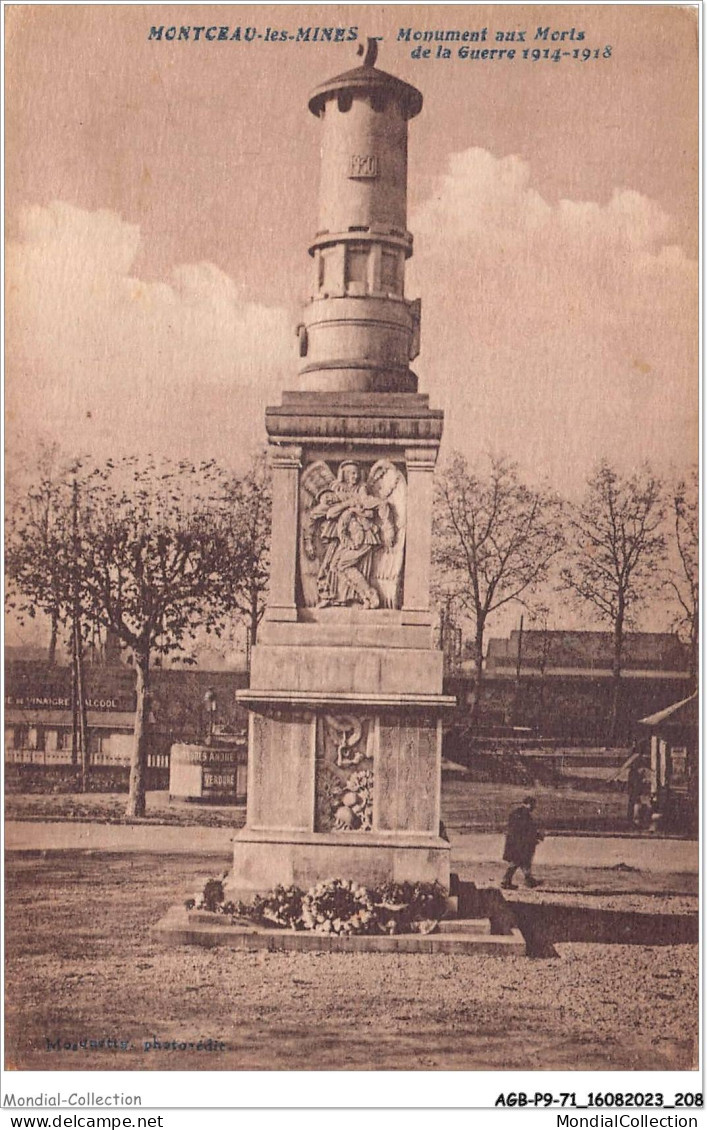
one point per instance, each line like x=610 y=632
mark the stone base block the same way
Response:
x=364 y=670
x=318 y=417
x=262 y=860
x=465 y=926
x=180 y=927
x=314 y=628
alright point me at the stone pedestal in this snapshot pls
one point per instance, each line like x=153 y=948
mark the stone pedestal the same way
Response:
x=301 y=829
x=346 y=694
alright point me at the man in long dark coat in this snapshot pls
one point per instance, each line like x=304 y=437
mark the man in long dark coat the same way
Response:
x=522 y=837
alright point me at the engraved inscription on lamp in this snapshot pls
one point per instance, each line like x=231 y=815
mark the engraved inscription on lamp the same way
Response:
x=364 y=166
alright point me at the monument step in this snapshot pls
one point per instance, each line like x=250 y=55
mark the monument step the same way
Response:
x=465 y=926
x=179 y=928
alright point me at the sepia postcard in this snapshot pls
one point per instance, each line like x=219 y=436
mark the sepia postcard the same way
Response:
x=351 y=506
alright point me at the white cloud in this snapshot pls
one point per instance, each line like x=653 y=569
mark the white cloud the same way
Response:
x=559 y=332
x=106 y=361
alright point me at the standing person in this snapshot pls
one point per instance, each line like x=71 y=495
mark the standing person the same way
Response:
x=635 y=787
x=522 y=837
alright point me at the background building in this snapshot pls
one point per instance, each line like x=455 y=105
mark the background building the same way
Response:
x=38 y=714
x=674 y=761
x=657 y=655
x=558 y=684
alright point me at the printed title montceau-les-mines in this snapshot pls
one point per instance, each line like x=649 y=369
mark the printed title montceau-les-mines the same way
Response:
x=221 y=33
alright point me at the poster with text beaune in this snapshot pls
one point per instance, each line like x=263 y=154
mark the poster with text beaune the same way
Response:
x=449 y=709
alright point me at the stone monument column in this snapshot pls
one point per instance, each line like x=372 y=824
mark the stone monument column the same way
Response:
x=285 y=464
x=346 y=695
x=420 y=463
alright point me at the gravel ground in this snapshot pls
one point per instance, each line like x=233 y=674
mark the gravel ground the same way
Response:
x=81 y=964
x=466 y=806
x=109 y=808
x=641 y=902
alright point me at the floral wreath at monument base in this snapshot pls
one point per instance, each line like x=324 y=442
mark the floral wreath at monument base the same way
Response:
x=334 y=906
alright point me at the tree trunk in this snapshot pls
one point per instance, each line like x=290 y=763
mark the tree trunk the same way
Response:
x=81 y=706
x=518 y=687
x=616 y=676
x=475 y=704
x=138 y=768
x=253 y=626
x=51 y=656
x=695 y=651
x=74 y=704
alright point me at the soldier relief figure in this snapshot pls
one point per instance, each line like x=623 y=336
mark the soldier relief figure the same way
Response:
x=353 y=535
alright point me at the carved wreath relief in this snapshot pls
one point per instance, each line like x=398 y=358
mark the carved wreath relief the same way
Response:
x=344 y=774
x=352 y=534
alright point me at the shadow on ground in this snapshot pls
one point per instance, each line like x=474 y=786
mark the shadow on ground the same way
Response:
x=545 y=924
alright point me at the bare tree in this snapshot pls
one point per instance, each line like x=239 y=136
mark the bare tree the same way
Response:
x=40 y=556
x=494 y=541
x=540 y=618
x=37 y=535
x=249 y=515
x=684 y=577
x=615 y=553
x=151 y=550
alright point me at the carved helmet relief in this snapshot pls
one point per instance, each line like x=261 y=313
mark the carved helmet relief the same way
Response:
x=352 y=534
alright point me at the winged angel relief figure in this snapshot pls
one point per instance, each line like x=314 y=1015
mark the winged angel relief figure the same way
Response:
x=352 y=535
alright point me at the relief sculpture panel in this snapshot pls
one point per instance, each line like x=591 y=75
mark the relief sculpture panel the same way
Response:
x=344 y=774
x=352 y=534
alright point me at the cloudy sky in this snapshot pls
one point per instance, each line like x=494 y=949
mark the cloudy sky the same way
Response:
x=161 y=195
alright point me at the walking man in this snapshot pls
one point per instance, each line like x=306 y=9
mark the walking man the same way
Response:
x=522 y=837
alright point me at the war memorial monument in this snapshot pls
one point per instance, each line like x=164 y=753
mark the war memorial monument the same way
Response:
x=345 y=698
